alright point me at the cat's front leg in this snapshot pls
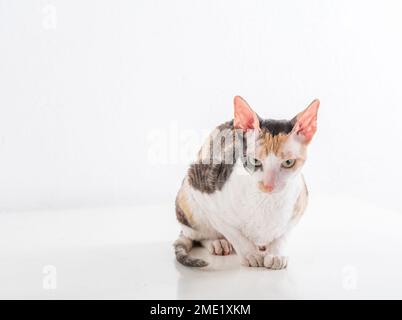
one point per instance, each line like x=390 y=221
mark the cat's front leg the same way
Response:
x=218 y=247
x=276 y=257
x=254 y=259
x=245 y=249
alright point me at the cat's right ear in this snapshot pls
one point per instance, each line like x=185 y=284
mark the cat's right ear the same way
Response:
x=244 y=117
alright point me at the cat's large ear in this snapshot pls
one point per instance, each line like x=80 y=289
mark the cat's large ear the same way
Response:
x=244 y=117
x=306 y=122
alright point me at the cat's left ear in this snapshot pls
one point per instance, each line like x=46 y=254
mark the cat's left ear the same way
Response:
x=306 y=122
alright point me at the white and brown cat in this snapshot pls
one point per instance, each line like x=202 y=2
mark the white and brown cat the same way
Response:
x=245 y=191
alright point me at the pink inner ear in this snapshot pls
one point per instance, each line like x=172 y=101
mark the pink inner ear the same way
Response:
x=244 y=117
x=306 y=124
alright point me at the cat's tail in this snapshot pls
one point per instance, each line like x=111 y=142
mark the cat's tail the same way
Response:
x=182 y=247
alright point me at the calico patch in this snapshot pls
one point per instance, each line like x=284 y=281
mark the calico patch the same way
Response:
x=214 y=166
x=209 y=178
x=276 y=127
x=183 y=212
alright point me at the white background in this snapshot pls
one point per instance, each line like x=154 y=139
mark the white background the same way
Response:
x=104 y=103
x=86 y=86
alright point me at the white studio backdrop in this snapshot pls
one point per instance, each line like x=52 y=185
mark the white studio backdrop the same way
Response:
x=102 y=101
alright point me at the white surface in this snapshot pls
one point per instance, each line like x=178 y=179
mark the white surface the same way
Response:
x=85 y=85
x=341 y=249
x=91 y=90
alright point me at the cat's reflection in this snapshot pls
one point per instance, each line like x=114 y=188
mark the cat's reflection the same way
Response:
x=224 y=278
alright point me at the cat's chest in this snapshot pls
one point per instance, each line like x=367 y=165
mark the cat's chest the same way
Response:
x=260 y=216
x=267 y=218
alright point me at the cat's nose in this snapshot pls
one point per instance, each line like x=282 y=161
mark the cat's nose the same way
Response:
x=269 y=187
x=265 y=187
x=269 y=181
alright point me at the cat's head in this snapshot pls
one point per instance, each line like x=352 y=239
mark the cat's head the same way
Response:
x=276 y=149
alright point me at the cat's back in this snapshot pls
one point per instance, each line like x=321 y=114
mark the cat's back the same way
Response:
x=215 y=160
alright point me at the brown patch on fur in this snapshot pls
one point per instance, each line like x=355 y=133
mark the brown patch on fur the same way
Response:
x=269 y=143
x=209 y=178
x=183 y=212
x=301 y=202
x=275 y=144
x=215 y=160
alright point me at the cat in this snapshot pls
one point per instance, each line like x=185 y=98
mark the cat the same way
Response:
x=245 y=192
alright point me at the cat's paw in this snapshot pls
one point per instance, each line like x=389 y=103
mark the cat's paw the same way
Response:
x=220 y=247
x=275 y=262
x=252 y=260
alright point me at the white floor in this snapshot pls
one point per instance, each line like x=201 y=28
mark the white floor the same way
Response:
x=341 y=249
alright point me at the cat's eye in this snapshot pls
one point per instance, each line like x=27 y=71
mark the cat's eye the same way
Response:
x=252 y=164
x=287 y=164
